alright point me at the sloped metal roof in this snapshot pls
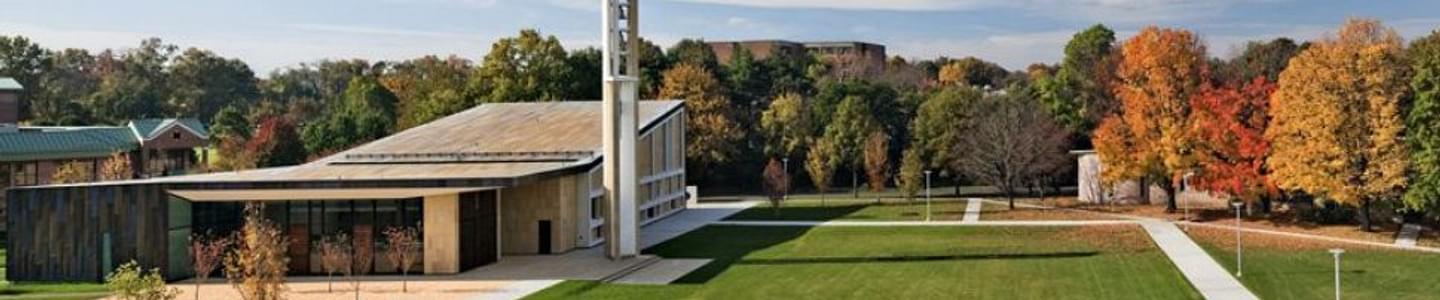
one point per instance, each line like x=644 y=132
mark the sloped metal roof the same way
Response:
x=9 y=84
x=64 y=142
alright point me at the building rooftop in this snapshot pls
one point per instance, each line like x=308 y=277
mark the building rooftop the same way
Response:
x=9 y=84
x=44 y=143
x=490 y=141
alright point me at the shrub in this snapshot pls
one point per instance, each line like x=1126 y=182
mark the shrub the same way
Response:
x=128 y=282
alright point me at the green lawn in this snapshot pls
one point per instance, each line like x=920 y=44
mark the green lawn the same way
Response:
x=57 y=290
x=1284 y=268
x=811 y=208
x=907 y=263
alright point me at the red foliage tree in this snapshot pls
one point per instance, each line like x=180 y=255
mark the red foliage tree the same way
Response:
x=1228 y=123
x=276 y=143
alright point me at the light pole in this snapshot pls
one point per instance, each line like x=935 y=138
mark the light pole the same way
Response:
x=927 y=195
x=786 y=163
x=1239 y=251
x=1337 y=252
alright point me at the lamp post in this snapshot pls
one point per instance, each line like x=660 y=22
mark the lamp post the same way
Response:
x=1337 y=252
x=786 y=163
x=927 y=195
x=1239 y=251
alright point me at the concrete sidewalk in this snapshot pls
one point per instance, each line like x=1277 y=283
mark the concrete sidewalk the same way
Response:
x=923 y=223
x=693 y=217
x=972 y=210
x=1208 y=277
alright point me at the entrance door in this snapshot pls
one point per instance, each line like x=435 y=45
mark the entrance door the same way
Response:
x=478 y=244
x=544 y=237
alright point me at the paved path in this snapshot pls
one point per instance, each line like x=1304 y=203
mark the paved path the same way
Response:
x=972 y=210
x=1409 y=235
x=693 y=217
x=922 y=223
x=1317 y=237
x=1208 y=277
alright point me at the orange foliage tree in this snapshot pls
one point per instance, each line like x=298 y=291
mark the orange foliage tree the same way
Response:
x=1159 y=70
x=1228 y=123
x=1335 y=118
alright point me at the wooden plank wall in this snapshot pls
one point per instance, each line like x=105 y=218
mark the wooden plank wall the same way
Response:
x=59 y=233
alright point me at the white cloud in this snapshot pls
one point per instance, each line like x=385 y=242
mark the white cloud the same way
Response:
x=911 y=5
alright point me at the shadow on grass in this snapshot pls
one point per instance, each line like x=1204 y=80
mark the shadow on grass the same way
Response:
x=800 y=213
x=724 y=245
x=909 y=258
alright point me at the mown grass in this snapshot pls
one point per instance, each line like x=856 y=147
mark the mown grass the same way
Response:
x=46 y=290
x=1291 y=268
x=1109 y=262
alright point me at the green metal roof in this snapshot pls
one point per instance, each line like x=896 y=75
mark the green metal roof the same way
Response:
x=7 y=83
x=64 y=142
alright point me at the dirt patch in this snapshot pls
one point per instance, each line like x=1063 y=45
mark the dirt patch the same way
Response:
x=1114 y=238
x=1226 y=238
x=1040 y=214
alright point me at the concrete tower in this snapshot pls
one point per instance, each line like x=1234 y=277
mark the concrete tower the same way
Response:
x=620 y=28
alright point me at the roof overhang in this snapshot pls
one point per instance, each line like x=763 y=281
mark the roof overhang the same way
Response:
x=237 y=195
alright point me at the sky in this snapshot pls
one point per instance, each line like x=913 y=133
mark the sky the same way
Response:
x=274 y=34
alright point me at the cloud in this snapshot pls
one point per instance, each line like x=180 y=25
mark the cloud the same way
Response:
x=364 y=30
x=910 y=5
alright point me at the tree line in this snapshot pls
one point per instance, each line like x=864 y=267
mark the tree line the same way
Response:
x=1350 y=117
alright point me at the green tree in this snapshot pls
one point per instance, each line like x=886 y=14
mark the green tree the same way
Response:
x=230 y=122
x=71 y=78
x=203 y=83
x=1423 y=123
x=25 y=61
x=912 y=173
x=367 y=113
x=585 y=74
x=428 y=88
x=941 y=121
x=653 y=63
x=133 y=84
x=847 y=132
x=1078 y=93
x=523 y=68
x=694 y=52
x=1259 y=59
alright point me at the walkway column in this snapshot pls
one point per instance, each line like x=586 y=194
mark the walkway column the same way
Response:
x=620 y=28
x=442 y=234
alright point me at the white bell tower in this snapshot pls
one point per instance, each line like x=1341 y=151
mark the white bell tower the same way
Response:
x=621 y=68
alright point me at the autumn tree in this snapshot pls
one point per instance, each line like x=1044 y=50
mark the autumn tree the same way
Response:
x=786 y=126
x=820 y=163
x=877 y=163
x=364 y=259
x=73 y=172
x=275 y=144
x=971 y=71
x=1228 y=124
x=402 y=251
x=116 y=167
x=1013 y=141
x=1335 y=138
x=1423 y=123
x=712 y=133
x=335 y=257
x=1159 y=71
x=776 y=183
x=206 y=254
x=257 y=266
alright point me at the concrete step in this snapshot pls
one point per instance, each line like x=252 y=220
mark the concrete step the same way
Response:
x=643 y=261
